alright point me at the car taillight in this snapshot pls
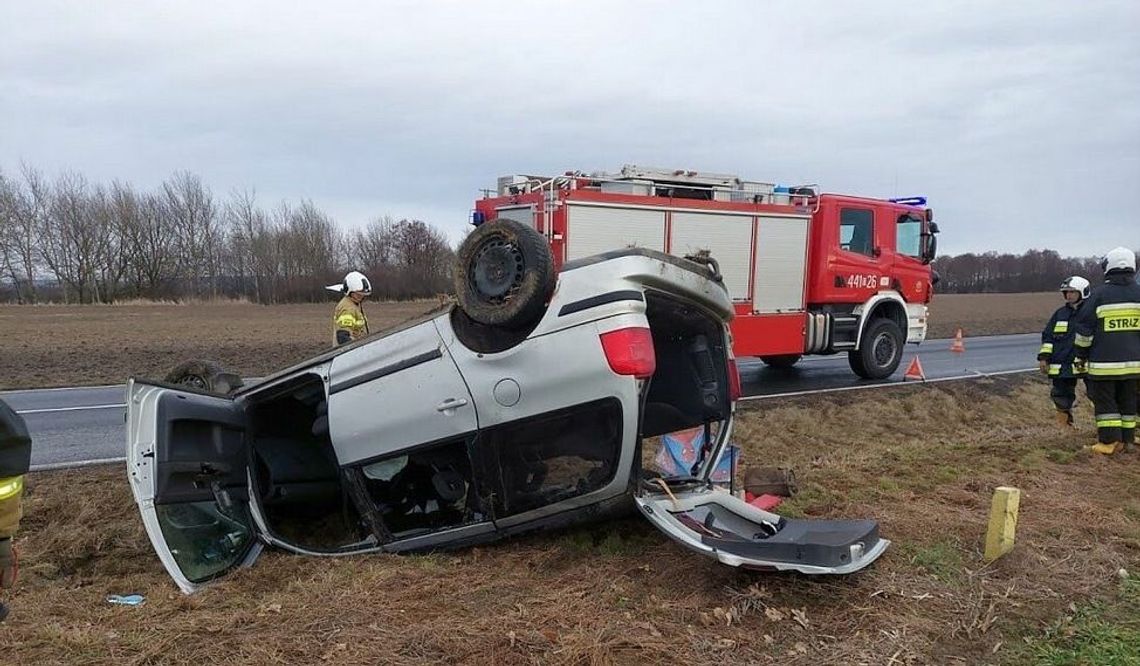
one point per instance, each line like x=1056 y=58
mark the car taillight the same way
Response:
x=734 y=390
x=630 y=351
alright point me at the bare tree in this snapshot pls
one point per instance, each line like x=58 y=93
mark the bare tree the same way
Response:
x=22 y=211
x=71 y=238
x=425 y=257
x=197 y=229
x=246 y=224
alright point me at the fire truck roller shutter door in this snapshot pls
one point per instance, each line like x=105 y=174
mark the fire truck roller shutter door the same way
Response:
x=781 y=255
x=728 y=238
x=592 y=230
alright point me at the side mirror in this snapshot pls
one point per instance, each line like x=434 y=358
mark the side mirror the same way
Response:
x=929 y=247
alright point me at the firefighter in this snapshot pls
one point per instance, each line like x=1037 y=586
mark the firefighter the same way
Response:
x=1108 y=345
x=1057 y=353
x=15 y=456
x=349 y=322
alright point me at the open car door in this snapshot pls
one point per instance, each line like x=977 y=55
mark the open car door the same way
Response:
x=710 y=521
x=188 y=466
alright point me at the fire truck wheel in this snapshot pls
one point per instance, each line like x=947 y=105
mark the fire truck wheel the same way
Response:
x=504 y=274
x=205 y=376
x=784 y=361
x=880 y=352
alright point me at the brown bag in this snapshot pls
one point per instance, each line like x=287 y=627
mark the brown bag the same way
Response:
x=770 y=481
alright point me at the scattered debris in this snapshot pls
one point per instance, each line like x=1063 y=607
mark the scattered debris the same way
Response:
x=126 y=600
x=770 y=481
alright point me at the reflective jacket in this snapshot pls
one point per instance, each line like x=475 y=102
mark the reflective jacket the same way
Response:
x=349 y=322
x=1108 y=329
x=15 y=456
x=1057 y=342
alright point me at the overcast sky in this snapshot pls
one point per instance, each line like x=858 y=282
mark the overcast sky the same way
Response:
x=1020 y=121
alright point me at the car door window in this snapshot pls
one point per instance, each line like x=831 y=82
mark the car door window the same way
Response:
x=908 y=237
x=555 y=456
x=426 y=489
x=857 y=230
x=205 y=539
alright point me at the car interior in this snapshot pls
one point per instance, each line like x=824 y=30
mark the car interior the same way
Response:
x=296 y=475
x=690 y=385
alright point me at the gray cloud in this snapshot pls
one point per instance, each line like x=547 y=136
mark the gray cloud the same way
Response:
x=1019 y=120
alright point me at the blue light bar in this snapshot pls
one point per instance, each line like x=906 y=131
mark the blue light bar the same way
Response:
x=478 y=218
x=909 y=201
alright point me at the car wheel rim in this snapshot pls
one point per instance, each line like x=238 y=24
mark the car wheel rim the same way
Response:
x=884 y=350
x=498 y=271
x=195 y=381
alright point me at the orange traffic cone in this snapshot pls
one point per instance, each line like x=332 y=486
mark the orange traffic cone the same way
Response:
x=958 y=346
x=914 y=370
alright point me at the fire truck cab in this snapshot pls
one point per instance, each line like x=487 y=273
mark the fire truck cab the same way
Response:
x=808 y=272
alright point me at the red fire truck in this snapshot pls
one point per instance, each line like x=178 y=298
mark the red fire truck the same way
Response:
x=810 y=273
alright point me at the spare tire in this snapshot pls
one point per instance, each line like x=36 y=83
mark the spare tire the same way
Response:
x=504 y=274
x=203 y=375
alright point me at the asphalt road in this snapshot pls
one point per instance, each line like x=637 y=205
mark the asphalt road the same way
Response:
x=71 y=426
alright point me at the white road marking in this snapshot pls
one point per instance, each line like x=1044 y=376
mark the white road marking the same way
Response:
x=47 y=467
x=63 y=388
x=976 y=375
x=49 y=410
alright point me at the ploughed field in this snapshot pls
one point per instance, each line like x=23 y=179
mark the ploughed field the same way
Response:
x=922 y=459
x=45 y=346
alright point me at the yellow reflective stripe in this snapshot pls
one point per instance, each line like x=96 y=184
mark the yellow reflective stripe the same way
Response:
x=1113 y=365
x=1061 y=327
x=1114 y=369
x=1128 y=422
x=1083 y=340
x=1046 y=348
x=1123 y=309
x=1109 y=423
x=1054 y=368
x=10 y=487
x=346 y=321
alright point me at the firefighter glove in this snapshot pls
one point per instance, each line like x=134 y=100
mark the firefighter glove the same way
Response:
x=1080 y=365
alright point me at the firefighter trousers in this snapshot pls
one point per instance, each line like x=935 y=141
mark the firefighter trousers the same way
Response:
x=1114 y=401
x=1064 y=394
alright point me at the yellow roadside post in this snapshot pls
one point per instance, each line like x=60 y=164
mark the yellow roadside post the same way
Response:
x=1003 y=522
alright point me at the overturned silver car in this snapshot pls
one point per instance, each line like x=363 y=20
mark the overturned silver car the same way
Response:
x=523 y=407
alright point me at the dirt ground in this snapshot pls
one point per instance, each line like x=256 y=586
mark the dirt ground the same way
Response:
x=47 y=346
x=923 y=462
x=991 y=314
x=88 y=345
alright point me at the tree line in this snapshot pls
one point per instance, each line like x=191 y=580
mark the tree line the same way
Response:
x=1034 y=270
x=70 y=240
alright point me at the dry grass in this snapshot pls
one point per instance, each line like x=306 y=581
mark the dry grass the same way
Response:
x=924 y=463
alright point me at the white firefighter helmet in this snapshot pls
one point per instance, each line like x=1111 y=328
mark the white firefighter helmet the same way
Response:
x=1119 y=259
x=353 y=282
x=1077 y=284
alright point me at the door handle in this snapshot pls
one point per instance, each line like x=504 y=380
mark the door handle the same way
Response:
x=450 y=403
